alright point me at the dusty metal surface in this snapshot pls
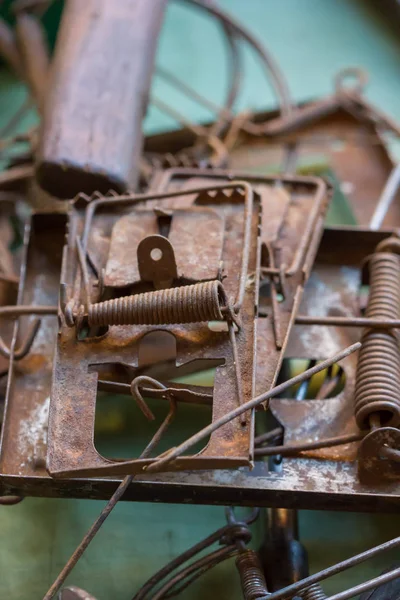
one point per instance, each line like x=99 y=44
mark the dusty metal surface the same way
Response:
x=24 y=431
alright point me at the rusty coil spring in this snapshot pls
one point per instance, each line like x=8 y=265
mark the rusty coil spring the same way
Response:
x=378 y=372
x=251 y=575
x=186 y=304
x=314 y=592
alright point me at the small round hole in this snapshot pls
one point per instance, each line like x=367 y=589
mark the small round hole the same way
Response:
x=156 y=254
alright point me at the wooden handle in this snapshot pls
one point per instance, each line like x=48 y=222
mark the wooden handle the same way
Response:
x=91 y=136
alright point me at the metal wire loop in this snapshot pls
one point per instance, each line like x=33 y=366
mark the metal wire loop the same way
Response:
x=142 y=381
x=26 y=345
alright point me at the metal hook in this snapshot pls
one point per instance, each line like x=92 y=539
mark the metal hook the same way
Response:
x=232 y=520
x=359 y=76
x=26 y=345
x=140 y=381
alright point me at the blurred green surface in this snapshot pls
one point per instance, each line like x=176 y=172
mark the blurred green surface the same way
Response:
x=312 y=40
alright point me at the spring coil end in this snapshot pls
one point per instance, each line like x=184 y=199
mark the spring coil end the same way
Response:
x=251 y=575
x=314 y=592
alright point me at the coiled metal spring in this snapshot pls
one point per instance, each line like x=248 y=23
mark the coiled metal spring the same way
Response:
x=377 y=389
x=251 y=575
x=186 y=304
x=314 y=592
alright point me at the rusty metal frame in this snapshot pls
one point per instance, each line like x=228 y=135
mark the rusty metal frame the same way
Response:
x=72 y=399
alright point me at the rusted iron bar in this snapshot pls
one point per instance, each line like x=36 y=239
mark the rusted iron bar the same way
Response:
x=348 y=322
x=28 y=309
x=293 y=449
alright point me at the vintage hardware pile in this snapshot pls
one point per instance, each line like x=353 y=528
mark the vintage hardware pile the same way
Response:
x=207 y=264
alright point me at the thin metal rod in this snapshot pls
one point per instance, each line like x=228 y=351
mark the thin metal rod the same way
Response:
x=328 y=386
x=279 y=82
x=386 y=198
x=213 y=107
x=180 y=391
x=291 y=590
x=119 y=492
x=27 y=309
x=268 y=436
x=348 y=322
x=303 y=388
x=289 y=449
x=368 y=585
x=179 y=560
x=26 y=345
x=204 y=433
x=214 y=142
x=23 y=350
x=205 y=561
x=238 y=373
x=84 y=272
x=178 y=589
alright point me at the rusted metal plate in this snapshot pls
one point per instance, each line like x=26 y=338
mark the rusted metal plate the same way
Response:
x=328 y=288
x=197 y=236
x=24 y=432
x=122 y=268
x=196 y=260
x=275 y=202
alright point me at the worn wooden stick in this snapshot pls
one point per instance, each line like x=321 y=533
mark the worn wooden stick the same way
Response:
x=98 y=90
